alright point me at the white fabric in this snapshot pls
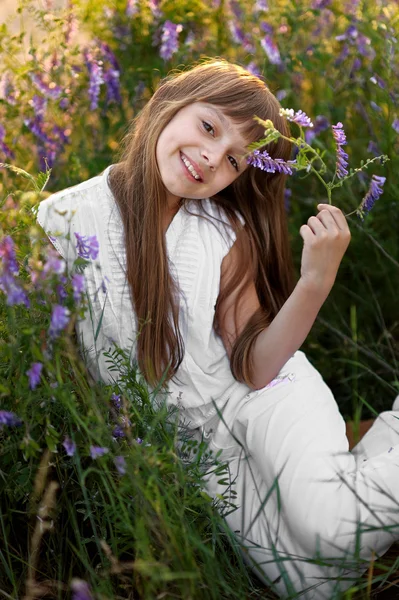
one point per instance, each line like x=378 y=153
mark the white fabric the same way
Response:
x=300 y=493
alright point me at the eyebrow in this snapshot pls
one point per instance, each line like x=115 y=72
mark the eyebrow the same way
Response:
x=218 y=113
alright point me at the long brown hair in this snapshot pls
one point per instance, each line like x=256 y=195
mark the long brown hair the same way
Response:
x=258 y=196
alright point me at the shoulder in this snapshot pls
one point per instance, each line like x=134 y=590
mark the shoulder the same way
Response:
x=80 y=208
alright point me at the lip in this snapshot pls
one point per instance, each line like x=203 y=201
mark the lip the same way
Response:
x=196 y=167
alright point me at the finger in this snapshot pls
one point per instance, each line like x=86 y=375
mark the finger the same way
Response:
x=306 y=233
x=328 y=221
x=316 y=225
x=336 y=213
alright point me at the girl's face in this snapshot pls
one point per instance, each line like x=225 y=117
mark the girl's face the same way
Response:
x=199 y=153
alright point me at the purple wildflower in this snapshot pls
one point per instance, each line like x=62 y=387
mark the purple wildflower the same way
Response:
x=236 y=9
x=261 y=6
x=153 y=5
x=395 y=125
x=69 y=445
x=139 y=441
x=263 y=161
x=267 y=28
x=342 y=157
x=117 y=401
x=87 y=246
x=271 y=50
x=111 y=74
x=49 y=90
x=81 y=590
x=239 y=37
x=39 y=105
x=78 y=286
x=34 y=374
x=374 y=192
x=118 y=432
x=253 y=68
x=131 y=8
x=14 y=292
x=59 y=320
x=120 y=464
x=97 y=451
x=299 y=117
x=54 y=264
x=95 y=78
x=169 y=39
x=9 y=419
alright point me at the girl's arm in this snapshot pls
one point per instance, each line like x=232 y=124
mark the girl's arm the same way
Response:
x=326 y=238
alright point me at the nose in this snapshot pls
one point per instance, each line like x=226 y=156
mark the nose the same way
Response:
x=212 y=158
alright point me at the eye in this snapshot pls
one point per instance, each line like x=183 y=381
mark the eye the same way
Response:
x=233 y=162
x=208 y=127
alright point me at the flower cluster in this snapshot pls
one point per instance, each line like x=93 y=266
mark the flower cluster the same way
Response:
x=374 y=192
x=169 y=39
x=94 y=67
x=263 y=161
x=299 y=117
x=342 y=157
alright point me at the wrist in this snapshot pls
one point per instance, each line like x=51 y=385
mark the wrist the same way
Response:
x=314 y=287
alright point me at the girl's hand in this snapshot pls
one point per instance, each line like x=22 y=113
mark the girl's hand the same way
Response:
x=326 y=238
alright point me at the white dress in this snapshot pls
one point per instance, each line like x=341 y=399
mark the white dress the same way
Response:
x=310 y=514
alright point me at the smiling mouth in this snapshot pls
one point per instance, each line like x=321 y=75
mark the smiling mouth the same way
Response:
x=190 y=168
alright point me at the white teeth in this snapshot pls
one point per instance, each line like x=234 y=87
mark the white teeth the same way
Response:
x=190 y=167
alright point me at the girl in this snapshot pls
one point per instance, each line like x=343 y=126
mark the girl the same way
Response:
x=194 y=256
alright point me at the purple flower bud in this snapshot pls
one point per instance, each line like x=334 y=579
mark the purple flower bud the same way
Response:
x=59 y=320
x=87 y=246
x=39 y=105
x=169 y=39
x=374 y=192
x=271 y=50
x=81 y=590
x=263 y=161
x=239 y=37
x=139 y=441
x=69 y=445
x=120 y=464
x=342 y=157
x=34 y=374
x=395 y=125
x=9 y=419
x=98 y=451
